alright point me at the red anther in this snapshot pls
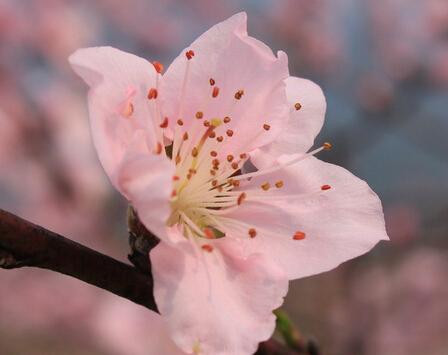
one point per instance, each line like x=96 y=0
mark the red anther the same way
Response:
x=206 y=123
x=220 y=139
x=152 y=94
x=185 y=136
x=199 y=114
x=266 y=127
x=180 y=122
x=241 y=198
x=213 y=153
x=327 y=146
x=239 y=94
x=212 y=134
x=266 y=186
x=212 y=82
x=279 y=184
x=207 y=248
x=176 y=178
x=164 y=123
x=158 y=66
x=229 y=132
x=173 y=193
x=230 y=158
x=252 y=232
x=189 y=54
x=325 y=187
x=299 y=235
x=297 y=106
x=158 y=149
x=209 y=234
x=234 y=165
x=243 y=156
x=194 y=152
x=215 y=91
x=215 y=162
x=227 y=119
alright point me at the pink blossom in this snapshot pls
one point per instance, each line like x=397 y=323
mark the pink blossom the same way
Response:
x=231 y=238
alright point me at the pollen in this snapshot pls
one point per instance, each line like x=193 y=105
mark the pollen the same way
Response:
x=152 y=94
x=227 y=119
x=325 y=187
x=239 y=94
x=241 y=198
x=180 y=122
x=207 y=248
x=199 y=115
x=327 y=146
x=299 y=235
x=279 y=184
x=164 y=123
x=266 y=186
x=266 y=127
x=189 y=54
x=297 y=106
x=252 y=232
x=158 y=66
x=229 y=133
x=215 y=91
x=212 y=81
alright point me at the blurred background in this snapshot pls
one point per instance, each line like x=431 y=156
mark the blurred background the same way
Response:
x=383 y=65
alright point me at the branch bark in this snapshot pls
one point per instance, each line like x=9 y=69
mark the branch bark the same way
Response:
x=24 y=244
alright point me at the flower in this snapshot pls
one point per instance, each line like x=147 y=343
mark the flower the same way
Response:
x=213 y=156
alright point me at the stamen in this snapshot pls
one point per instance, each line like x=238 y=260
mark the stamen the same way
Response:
x=164 y=123
x=199 y=115
x=229 y=133
x=180 y=122
x=252 y=232
x=227 y=119
x=266 y=127
x=207 y=248
x=189 y=54
x=279 y=184
x=243 y=156
x=212 y=134
x=212 y=82
x=152 y=94
x=213 y=153
x=325 y=187
x=239 y=94
x=220 y=139
x=158 y=66
x=266 y=186
x=230 y=158
x=297 y=106
x=185 y=136
x=299 y=235
x=215 y=91
x=234 y=165
x=206 y=123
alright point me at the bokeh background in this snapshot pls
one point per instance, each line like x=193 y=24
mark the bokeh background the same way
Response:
x=383 y=65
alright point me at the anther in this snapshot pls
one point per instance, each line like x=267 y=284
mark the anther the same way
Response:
x=234 y=165
x=213 y=172
x=297 y=106
x=158 y=66
x=230 y=158
x=158 y=149
x=241 y=198
x=220 y=139
x=299 y=235
x=207 y=248
x=175 y=178
x=252 y=232
x=173 y=193
x=189 y=54
x=185 y=136
x=215 y=161
x=239 y=94
x=227 y=119
x=266 y=127
x=229 y=132
x=177 y=159
x=236 y=183
x=325 y=187
x=213 y=153
x=164 y=123
x=212 y=134
x=152 y=94
x=192 y=171
x=180 y=122
x=194 y=152
x=279 y=184
x=243 y=156
x=206 y=123
x=327 y=146
x=212 y=82
x=199 y=114
x=215 y=91
x=266 y=186
x=214 y=182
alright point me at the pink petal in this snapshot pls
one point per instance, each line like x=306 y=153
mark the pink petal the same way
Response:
x=304 y=124
x=235 y=61
x=145 y=180
x=118 y=107
x=217 y=302
x=339 y=224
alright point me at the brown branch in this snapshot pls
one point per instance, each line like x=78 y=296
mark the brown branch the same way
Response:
x=23 y=244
